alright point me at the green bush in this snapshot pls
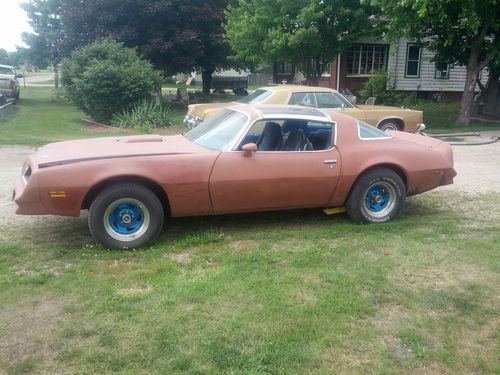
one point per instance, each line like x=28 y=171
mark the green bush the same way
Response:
x=145 y=115
x=104 y=78
x=376 y=86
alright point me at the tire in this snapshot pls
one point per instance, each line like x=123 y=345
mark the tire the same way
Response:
x=125 y=216
x=390 y=125
x=377 y=196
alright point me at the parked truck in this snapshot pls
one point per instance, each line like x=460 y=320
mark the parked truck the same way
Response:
x=9 y=85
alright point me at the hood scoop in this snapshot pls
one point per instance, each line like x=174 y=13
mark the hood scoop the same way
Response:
x=141 y=139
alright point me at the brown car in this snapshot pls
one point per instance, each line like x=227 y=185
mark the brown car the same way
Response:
x=382 y=117
x=245 y=158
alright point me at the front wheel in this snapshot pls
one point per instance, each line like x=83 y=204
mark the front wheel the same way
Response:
x=125 y=216
x=378 y=196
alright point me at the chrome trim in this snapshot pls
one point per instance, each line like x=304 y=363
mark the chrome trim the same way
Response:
x=330 y=161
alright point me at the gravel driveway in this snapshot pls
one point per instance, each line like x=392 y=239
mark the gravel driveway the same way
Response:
x=478 y=170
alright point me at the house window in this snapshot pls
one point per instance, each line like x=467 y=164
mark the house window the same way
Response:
x=366 y=59
x=284 y=68
x=442 y=71
x=327 y=73
x=413 y=57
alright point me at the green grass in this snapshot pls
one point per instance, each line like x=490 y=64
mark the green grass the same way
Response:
x=40 y=118
x=442 y=116
x=291 y=292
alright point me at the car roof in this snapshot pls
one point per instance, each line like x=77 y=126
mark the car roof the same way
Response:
x=273 y=111
x=296 y=88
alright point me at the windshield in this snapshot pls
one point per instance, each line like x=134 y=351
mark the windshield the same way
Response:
x=219 y=132
x=256 y=97
x=5 y=70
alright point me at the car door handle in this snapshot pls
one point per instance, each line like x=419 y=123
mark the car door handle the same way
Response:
x=331 y=161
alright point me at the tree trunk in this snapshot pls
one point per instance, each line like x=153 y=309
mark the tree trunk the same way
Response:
x=474 y=66
x=467 y=102
x=56 y=76
x=491 y=96
x=206 y=76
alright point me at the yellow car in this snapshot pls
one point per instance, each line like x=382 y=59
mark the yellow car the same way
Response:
x=382 y=117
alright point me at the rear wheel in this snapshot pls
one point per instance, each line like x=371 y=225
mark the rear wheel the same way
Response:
x=125 y=216
x=390 y=125
x=378 y=196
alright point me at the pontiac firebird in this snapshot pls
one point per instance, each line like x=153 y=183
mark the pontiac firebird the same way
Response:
x=245 y=158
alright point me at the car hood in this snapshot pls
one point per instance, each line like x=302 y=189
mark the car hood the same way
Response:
x=114 y=147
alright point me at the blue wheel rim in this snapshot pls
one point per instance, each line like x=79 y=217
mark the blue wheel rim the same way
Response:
x=126 y=219
x=379 y=200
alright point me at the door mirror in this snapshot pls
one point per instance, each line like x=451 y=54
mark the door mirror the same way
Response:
x=19 y=75
x=248 y=149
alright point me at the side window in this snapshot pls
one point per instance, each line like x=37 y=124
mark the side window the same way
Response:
x=328 y=100
x=290 y=135
x=321 y=135
x=305 y=99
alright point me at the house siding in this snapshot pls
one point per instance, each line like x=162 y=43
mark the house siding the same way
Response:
x=426 y=80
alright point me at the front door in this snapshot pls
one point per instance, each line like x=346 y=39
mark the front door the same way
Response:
x=277 y=179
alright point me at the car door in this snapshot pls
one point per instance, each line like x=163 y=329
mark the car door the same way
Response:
x=267 y=180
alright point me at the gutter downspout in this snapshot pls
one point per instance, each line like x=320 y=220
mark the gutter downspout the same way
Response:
x=338 y=72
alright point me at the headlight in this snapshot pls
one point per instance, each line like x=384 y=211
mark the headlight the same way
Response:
x=192 y=121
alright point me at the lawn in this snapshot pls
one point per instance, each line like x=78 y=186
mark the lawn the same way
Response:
x=294 y=292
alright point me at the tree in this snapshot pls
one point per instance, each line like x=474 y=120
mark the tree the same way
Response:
x=46 y=43
x=105 y=78
x=461 y=32
x=4 y=57
x=18 y=56
x=175 y=35
x=308 y=33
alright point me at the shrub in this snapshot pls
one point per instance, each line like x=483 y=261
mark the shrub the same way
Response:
x=104 y=78
x=376 y=86
x=144 y=115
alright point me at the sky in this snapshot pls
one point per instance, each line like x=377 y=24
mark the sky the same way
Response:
x=13 y=23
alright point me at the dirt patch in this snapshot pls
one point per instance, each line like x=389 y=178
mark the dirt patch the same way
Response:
x=29 y=332
x=243 y=245
x=181 y=258
x=388 y=320
x=441 y=277
x=135 y=290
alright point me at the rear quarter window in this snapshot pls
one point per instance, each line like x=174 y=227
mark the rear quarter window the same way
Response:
x=367 y=131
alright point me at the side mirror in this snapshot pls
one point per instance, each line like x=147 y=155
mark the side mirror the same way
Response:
x=248 y=149
x=19 y=76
